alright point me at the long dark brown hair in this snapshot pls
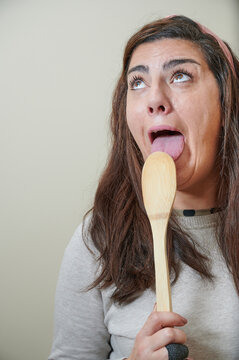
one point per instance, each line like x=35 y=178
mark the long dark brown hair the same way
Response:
x=119 y=227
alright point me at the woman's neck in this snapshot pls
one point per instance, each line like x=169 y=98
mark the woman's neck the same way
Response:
x=199 y=198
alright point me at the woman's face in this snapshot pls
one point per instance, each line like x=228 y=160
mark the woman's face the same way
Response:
x=173 y=106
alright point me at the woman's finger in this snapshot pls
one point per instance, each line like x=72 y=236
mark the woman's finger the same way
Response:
x=161 y=354
x=159 y=320
x=167 y=336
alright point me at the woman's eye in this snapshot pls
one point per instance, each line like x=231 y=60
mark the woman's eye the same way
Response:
x=181 y=77
x=137 y=84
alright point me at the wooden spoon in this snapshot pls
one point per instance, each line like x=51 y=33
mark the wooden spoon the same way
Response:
x=159 y=188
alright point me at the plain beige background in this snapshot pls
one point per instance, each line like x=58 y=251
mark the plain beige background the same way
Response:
x=59 y=61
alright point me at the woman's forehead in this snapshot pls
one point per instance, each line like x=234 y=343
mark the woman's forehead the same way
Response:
x=165 y=49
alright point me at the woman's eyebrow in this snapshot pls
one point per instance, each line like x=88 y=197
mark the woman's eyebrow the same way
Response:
x=172 y=63
x=166 y=66
x=141 y=68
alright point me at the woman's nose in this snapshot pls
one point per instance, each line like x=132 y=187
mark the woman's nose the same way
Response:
x=156 y=109
x=158 y=103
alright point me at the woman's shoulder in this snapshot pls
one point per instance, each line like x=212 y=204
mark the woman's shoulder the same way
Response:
x=79 y=262
x=81 y=242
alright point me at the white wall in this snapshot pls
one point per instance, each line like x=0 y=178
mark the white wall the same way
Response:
x=59 y=61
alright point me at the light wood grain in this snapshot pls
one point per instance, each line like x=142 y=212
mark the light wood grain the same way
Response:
x=159 y=188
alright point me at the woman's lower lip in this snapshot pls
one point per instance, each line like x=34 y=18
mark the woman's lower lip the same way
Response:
x=172 y=145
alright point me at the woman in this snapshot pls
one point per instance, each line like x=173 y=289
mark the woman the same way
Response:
x=178 y=93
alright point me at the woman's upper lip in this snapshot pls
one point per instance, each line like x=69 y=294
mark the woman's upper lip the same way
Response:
x=157 y=128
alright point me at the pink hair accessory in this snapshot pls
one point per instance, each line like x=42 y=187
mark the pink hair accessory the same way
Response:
x=223 y=46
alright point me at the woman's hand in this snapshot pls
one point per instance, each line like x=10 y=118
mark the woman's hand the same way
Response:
x=157 y=332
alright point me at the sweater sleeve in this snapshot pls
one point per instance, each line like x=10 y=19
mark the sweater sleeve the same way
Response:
x=79 y=329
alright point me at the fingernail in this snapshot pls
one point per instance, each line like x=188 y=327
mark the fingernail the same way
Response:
x=184 y=320
x=155 y=307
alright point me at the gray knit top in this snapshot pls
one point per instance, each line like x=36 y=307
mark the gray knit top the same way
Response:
x=89 y=326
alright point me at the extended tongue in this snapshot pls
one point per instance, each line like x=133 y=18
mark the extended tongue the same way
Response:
x=171 y=144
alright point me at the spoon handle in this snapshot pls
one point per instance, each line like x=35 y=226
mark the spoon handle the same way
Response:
x=162 y=279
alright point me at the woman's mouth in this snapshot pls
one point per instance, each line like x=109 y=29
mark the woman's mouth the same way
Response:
x=166 y=139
